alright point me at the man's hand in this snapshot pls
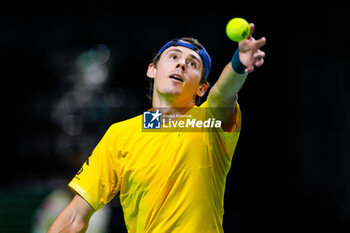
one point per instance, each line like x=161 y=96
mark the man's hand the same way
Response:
x=250 y=54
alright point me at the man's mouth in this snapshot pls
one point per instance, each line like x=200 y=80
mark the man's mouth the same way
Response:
x=177 y=77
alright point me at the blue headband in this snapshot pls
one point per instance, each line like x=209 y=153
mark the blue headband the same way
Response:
x=201 y=52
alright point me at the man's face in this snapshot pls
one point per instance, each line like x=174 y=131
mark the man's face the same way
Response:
x=178 y=72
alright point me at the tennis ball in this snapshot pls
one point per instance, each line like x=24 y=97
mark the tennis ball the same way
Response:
x=237 y=29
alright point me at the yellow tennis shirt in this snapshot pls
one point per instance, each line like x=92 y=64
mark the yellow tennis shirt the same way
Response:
x=170 y=182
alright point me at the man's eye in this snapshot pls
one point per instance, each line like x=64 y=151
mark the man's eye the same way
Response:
x=193 y=64
x=174 y=57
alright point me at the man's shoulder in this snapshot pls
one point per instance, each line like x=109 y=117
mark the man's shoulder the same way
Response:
x=129 y=124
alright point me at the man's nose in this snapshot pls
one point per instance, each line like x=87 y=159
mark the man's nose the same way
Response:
x=181 y=64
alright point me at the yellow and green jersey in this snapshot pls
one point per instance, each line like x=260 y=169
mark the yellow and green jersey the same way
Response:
x=170 y=181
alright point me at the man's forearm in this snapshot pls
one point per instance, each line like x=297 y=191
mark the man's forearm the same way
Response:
x=74 y=218
x=66 y=223
x=224 y=92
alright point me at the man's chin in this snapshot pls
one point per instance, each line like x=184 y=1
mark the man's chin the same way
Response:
x=172 y=90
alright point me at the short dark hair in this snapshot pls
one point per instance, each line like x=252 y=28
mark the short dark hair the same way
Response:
x=156 y=58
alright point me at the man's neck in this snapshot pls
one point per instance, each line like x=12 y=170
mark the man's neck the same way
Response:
x=171 y=105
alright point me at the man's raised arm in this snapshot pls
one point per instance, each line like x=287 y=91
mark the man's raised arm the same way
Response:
x=223 y=95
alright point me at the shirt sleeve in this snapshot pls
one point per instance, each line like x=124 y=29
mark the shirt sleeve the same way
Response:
x=97 y=180
x=223 y=142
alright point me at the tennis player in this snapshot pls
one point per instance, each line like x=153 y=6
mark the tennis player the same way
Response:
x=174 y=181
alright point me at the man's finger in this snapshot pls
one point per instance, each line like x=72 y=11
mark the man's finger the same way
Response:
x=259 y=63
x=249 y=69
x=252 y=26
x=261 y=42
x=259 y=54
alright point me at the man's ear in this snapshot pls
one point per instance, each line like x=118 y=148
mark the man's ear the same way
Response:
x=202 y=89
x=151 y=71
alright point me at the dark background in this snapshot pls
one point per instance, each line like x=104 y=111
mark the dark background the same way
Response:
x=70 y=71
